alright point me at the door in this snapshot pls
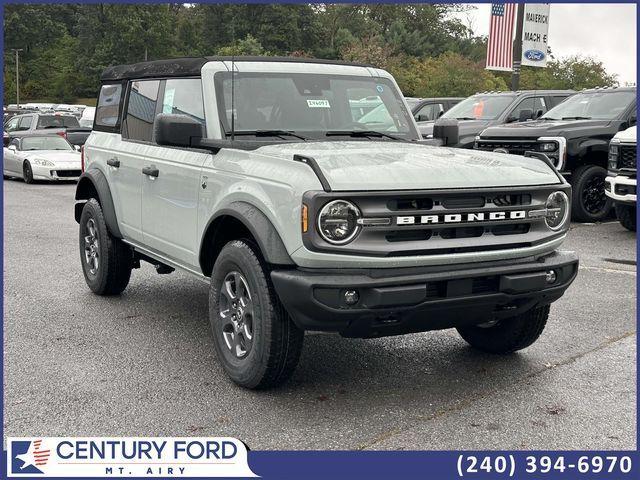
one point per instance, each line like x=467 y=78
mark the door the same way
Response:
x=10 y=157
x=172 y=182
x=128 y=155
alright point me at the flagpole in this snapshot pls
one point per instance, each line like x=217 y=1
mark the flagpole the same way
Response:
x=517 y=48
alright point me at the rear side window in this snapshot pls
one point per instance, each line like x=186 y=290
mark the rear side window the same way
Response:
x=184 y=96
x=57 y=121
x=108 y=108
x=25 y=123
x=141 y=110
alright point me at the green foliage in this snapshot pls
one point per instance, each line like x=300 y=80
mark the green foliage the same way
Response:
x=67 y=46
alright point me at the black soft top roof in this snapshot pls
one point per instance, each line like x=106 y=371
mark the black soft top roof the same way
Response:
x=190 y=66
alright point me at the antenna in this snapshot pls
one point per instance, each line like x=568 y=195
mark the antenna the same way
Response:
x=233 y=83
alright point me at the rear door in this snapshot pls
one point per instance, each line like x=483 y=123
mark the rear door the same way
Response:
x=170 y=194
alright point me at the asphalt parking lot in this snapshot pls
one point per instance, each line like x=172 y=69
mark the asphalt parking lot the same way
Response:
x=143 y=364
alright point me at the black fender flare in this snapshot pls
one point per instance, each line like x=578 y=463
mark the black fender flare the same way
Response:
x=94 y=183
x=261 y=228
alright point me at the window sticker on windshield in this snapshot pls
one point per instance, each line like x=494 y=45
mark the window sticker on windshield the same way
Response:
x=379 y=88
x=167 y=105
x=318 y=103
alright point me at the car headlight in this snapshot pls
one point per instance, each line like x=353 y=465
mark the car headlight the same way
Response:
x=338 y=222
x=548 y=147
x=614 y=150
x=557 y=210
x=43 y=162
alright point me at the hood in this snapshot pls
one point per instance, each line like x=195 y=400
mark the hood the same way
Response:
x=626 y=136
x=466 y=127
x=57 y=156
x=389 y=165
x=538 y=128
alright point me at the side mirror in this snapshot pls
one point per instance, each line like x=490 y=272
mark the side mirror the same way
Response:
x=525 y=114
x=13 y=148
x=440 y=113
x=447 y=130
x=421 y=118
x=76 y=148
x=177 y=130
x=633 y=120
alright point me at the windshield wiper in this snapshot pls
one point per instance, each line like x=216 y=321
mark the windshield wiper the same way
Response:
x=360 y=133
x=466 y=118
x=548 y=118
x=576 y=118
x=268 y=133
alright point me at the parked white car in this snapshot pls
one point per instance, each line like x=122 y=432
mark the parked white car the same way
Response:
x=41 y=157
x=621 y=182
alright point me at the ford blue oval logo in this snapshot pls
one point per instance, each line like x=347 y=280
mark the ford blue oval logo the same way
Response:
x=534 y=55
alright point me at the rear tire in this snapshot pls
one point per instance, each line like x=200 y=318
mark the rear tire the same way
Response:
x=589 y=202
x=508 y=335
x=255 y=339
x=627 y=216
x=27 y=172
x=106 y=260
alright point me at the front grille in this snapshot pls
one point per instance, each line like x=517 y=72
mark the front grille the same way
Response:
x=66 y=173
x=627 y=157
x=434 y=223
x=514 y=147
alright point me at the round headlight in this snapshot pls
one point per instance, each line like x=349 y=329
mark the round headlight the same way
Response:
x=338 y=222
x=557 y=210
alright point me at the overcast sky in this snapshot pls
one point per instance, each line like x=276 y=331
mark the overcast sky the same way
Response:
x=604 y=31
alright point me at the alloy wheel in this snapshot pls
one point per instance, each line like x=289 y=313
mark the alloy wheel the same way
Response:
x=236 y=312
x=92 y=247
x=593 y=196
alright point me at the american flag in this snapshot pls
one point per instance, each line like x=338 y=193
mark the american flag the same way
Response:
x=500 y=48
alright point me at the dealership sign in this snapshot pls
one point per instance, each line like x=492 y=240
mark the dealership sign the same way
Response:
x=127 y=457
x=535 y=34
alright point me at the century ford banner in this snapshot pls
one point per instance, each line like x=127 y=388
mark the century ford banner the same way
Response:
x=127 y=457
x=535 y=34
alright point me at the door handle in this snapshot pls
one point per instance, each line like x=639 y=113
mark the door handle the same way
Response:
x=152 y=171
x=113 y=162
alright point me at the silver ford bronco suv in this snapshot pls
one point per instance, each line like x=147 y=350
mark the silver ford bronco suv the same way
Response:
x=266 y=178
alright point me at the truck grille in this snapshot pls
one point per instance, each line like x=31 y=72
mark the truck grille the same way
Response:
x=435 y=223
x=514 y=147
x=627 y=157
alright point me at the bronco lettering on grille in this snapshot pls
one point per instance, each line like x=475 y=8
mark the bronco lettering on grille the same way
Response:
x=461 y=217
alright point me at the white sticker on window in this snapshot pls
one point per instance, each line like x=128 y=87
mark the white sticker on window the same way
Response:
x=167 y=105
x=318 y=104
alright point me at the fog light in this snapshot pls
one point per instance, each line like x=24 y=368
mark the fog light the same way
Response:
x=551 y=276
x=351 y=297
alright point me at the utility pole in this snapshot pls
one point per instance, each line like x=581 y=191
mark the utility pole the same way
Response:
x=17 y=52
x=517 y=48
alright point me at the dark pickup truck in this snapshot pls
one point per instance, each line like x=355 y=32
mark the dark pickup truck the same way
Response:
x=575 y=136
x=483 y=110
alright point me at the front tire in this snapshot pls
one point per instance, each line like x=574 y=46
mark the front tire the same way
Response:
x=589 y=202
x=106 y=260
x=627 y=216
x=27 y=172
x=255 y=339
x=508 y=335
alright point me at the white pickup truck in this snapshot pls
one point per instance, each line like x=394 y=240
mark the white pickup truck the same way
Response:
x=621 y=181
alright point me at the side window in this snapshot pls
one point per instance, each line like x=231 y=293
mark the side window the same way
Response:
x=108 y=108
x=537 y=105
x=555 y=100
x=184 y=96
x=12 y=124
x=25 y=123
x=141 y=110
x=429 y=112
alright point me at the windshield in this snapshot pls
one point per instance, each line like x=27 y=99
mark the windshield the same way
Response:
x=592 y=105
x=312 y=105
x=57 y=121
x=53 y=142
x=480 y=107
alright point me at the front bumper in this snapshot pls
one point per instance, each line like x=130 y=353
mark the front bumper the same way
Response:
x=41 y=172
x=397 y=301
x=621 y=188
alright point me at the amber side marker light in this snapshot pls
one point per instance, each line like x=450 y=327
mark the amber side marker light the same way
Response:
x=305 y=218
